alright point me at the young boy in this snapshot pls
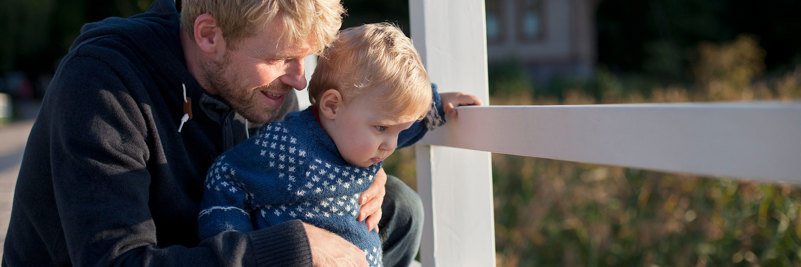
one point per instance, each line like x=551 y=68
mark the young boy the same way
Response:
x=369 y=93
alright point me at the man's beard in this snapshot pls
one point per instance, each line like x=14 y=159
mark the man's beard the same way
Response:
x=241 y=98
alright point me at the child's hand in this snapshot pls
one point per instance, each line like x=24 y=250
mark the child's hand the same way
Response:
x=454 y=99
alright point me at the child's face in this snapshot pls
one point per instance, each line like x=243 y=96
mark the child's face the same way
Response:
x=364 y=134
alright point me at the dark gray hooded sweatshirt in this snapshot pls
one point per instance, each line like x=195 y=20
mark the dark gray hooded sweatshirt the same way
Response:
x=107 y=178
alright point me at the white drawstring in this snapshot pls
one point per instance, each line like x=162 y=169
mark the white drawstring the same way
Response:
x=184 y=118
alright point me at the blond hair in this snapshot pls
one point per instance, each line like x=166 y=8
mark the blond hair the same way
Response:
x=374 y=57
x=315 y=21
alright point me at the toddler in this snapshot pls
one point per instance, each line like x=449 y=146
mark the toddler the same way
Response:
x=370 y=94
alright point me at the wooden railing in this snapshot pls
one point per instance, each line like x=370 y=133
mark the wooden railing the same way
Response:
x=760 y=141
x=748 y=140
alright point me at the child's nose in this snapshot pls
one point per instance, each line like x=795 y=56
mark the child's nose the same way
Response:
x=389 y=145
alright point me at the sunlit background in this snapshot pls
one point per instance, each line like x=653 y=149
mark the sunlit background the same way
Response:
x=553 y=213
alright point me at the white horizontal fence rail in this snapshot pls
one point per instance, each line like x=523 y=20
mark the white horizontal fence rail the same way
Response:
x=748 y=140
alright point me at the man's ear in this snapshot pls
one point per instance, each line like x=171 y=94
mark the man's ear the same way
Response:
x=208 y=36
x=330 y=102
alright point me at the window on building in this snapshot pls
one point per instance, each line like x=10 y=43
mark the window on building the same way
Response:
x=530 y=20
x=495 y=25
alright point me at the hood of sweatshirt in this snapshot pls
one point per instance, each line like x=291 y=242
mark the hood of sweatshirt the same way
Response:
x=153 y=37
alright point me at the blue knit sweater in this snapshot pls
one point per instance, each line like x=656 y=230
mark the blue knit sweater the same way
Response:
x=293 y=170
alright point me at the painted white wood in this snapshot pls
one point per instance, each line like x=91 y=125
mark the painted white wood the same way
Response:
x=424 y=189
x=458 y=230
x=749 y=140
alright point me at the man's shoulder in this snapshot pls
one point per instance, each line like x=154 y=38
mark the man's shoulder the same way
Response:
x=146 y=36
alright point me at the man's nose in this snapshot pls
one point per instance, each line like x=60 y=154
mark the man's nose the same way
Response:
x=295 y=75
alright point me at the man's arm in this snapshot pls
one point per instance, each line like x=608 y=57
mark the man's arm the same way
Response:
x=372 y=199
x=224 y=205
x=100 y=161
x=329 y=249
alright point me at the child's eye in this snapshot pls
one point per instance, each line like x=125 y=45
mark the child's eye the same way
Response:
x=380 y=128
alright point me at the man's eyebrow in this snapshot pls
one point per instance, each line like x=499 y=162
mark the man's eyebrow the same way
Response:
x=294 y=53
x=287 y=55
x=266 y=52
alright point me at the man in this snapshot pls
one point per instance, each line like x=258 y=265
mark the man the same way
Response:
x=137 y=111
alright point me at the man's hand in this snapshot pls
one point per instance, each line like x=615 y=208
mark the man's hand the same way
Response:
x=329 y=249
x=454 y=99
x=371 y=201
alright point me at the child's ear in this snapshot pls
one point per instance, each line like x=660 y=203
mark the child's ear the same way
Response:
x=330 y=102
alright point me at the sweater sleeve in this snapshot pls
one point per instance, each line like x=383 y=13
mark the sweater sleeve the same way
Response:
x=224 y=204
x=100 y=158
x=434 y=119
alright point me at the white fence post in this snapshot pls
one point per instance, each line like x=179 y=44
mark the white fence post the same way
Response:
x=455 y=184
x=310 y=62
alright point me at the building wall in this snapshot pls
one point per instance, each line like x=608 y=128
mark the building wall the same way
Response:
x=565 y=45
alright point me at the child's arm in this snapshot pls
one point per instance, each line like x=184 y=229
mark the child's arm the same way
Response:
x=442 y=104
x=223 y=206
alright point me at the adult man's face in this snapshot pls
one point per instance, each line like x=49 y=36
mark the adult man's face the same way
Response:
x=255 y=75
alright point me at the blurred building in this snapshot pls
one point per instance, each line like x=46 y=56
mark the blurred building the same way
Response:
x=549 y=37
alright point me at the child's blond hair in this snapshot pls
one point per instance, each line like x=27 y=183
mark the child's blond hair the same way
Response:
x=315 y=21
x=374 y=57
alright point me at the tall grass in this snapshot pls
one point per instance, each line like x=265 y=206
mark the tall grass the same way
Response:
x=556 y=213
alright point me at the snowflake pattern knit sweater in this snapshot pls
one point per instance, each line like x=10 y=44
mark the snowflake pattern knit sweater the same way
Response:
x=293 y=170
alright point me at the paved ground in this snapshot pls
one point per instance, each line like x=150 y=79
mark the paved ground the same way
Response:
x=12 y=144
x=13 y=138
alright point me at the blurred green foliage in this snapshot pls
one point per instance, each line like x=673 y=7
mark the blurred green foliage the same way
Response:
x=659 y=37
x=367 y=11
x=554 y=213
x=557 y=213
x=551 y=213
x=36 y=33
